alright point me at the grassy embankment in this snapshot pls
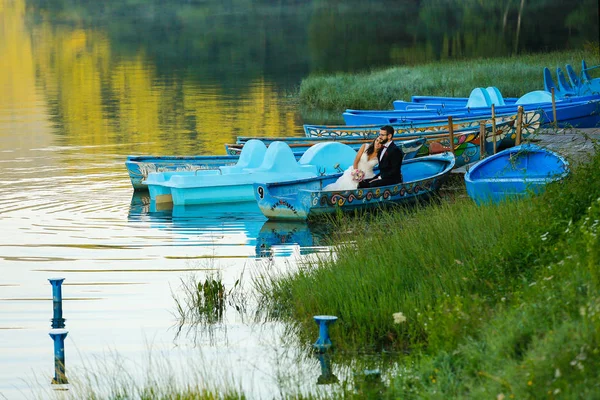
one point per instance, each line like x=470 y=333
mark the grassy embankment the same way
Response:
x=499 y=301
x=514 y=77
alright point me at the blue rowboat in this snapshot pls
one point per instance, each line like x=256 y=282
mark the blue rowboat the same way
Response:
x=582 y=114
x=305 y=198
x=514 y=173
x=234 y=184
x=482 y=98
x=139 y=167
x=582 y=111
x=432 y=126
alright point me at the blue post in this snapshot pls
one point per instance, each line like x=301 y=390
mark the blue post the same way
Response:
x=57 y=320
x=323 y=343
x=59 y=335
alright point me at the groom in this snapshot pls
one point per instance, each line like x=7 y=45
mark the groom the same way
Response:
x=390 y=161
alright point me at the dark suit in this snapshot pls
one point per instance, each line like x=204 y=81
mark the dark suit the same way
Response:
x=389 y=168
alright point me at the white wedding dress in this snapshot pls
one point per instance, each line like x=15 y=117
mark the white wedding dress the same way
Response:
x=345 y=182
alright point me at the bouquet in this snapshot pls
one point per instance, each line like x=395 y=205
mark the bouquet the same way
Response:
x=357 y=175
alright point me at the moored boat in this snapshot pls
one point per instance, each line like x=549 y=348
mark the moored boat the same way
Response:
x=139 y=167
x=582 y=111
x=278 y=164
x=252 y=157
x=305 y=198
x=514 y=173
x=434 y=125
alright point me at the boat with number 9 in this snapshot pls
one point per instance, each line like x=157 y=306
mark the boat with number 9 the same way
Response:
x=305 y=198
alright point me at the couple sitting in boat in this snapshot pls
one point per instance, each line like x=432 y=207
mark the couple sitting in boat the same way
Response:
x=381 y=151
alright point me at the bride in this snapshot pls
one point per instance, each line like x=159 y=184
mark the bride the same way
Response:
x=366 y=159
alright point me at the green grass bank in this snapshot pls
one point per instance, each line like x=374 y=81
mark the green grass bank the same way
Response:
x=500 y=300
x=514 y=76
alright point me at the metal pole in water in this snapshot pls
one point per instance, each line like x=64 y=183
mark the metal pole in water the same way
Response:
x=57 y=318
x=323 y=343
x=59 y=335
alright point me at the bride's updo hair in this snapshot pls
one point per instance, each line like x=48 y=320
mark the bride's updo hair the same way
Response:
x=371 y=148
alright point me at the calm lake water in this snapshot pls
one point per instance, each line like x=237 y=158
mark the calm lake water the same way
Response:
x=85 y=83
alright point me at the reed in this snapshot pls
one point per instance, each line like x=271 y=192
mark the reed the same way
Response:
x=377 y=89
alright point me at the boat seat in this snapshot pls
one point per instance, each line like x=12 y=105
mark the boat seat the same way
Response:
x=329 y=157
x=549 y=83
x=495 y=96
x=575 y=82
x=582 y=88
x=563 y=85
x=279 y=158
x=252 y=156
x=479 y=97
x=537 y=96
x=585 y=76
x=586 y=79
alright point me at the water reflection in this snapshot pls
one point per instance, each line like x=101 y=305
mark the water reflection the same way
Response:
x=223 y=225
x=327 y=377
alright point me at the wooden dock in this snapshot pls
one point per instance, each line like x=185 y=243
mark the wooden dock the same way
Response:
x=573 y=144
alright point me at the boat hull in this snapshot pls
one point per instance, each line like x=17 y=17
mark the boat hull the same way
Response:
x=208 y=195
x=306 y=198
x=514 y=174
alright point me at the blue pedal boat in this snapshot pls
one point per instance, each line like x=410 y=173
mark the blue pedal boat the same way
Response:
x=514 y=173
x=303 y=199
x=140 y=166
x=234 y=184
x=252 y=157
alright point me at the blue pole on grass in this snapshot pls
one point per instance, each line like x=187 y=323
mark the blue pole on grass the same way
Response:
x=57 y=318
x=323 y=343
x=59 y=335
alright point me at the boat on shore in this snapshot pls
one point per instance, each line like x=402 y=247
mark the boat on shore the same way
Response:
x=436 y=125
x=514 y=173
x=305 y=198
x=582 y=111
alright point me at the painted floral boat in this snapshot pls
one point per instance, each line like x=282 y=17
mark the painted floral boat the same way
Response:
x=305 y=198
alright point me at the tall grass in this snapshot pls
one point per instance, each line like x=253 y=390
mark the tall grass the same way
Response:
x=514 y=76
x=499 y=300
